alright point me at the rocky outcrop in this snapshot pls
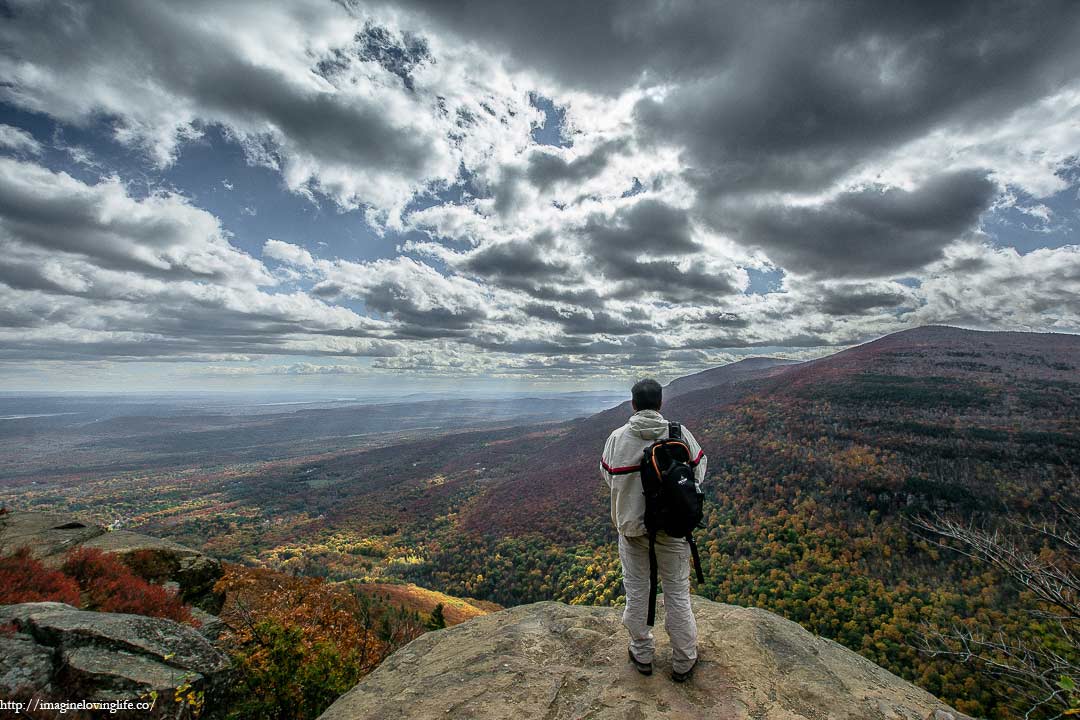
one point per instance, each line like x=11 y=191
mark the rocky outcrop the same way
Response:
x=51 y=535
x=53 y=650
x=557 y=661
x=48 y=535
x=194 y=572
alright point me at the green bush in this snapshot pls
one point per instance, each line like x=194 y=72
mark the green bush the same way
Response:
x=283 y=676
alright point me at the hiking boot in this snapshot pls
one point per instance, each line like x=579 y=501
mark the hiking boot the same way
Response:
x=643 y=668
x=681 y=677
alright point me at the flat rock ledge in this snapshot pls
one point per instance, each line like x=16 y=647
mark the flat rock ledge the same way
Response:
x=55 y=651
x=556 y=662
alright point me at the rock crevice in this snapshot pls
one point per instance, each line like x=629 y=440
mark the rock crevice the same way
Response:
x=54 y=650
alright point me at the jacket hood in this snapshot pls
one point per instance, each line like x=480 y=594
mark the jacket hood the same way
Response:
x=648 y=425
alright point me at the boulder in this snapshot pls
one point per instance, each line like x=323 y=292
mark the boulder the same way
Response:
x=559 y=661
x=211 y=627
x=159 y=559
x=48 y=535
x=55 y=651
x=25 y=667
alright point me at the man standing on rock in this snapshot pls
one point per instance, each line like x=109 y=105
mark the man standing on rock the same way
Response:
x=620 y=467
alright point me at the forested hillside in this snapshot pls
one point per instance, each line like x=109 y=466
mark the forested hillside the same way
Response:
x=813 y=473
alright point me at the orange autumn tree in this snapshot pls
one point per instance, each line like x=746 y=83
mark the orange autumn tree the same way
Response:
x=298 y=643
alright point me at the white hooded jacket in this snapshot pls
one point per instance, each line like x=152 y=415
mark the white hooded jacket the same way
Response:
x=620 y=463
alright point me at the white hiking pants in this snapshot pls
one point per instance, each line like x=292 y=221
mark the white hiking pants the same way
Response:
x=673 y=566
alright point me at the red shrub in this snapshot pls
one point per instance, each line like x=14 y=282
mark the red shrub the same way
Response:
x=111 y=586
x=24 y=579
x=132 y=594
x=88 y=565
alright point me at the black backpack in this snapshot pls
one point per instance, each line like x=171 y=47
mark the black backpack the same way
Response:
x=673 y=504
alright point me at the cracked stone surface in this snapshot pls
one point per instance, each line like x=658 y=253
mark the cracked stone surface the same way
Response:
x=559 y=662
x=53 y=650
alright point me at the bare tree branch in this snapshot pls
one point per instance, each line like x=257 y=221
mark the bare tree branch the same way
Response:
x=1041 y=556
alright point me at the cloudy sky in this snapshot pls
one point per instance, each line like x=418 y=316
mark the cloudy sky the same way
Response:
x=562 y=194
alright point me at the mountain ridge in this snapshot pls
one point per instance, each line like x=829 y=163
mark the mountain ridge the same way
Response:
x=745 y=369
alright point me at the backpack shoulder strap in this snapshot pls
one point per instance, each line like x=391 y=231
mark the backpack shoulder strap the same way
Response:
x=674 y=431
x=695 y=556
x=651 y=619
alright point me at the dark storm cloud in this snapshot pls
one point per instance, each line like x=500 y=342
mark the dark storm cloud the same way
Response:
x=786 y=94
x=646 y=226
x=579 y=321
x=416 y=319
x=28 y=276
x=548 y=168
x=873 y=232
x=515 y=260
x=814 y=90
x=725 y=319
x=602 y=45
x=319 y=122
x=674 y=284
x=637 y=251
x=856 y=301
x=520 y=265
x=560 y=293
x=969 y=265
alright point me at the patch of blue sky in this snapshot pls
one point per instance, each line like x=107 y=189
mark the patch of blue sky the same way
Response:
x=1030 y=223
x=86 y=152
x=763 y=282
x=552 y=132
x=635 y=189
x=253 y=203
x=460 y=192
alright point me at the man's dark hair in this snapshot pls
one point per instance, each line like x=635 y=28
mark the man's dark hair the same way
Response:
x=647 y=394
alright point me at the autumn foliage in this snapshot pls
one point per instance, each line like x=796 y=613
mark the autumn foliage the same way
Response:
x=24 y=579
x=111 y=586
x=298 y=643
x=90 y=579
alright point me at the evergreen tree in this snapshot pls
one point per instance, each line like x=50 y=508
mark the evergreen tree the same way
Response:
x=437 y=620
